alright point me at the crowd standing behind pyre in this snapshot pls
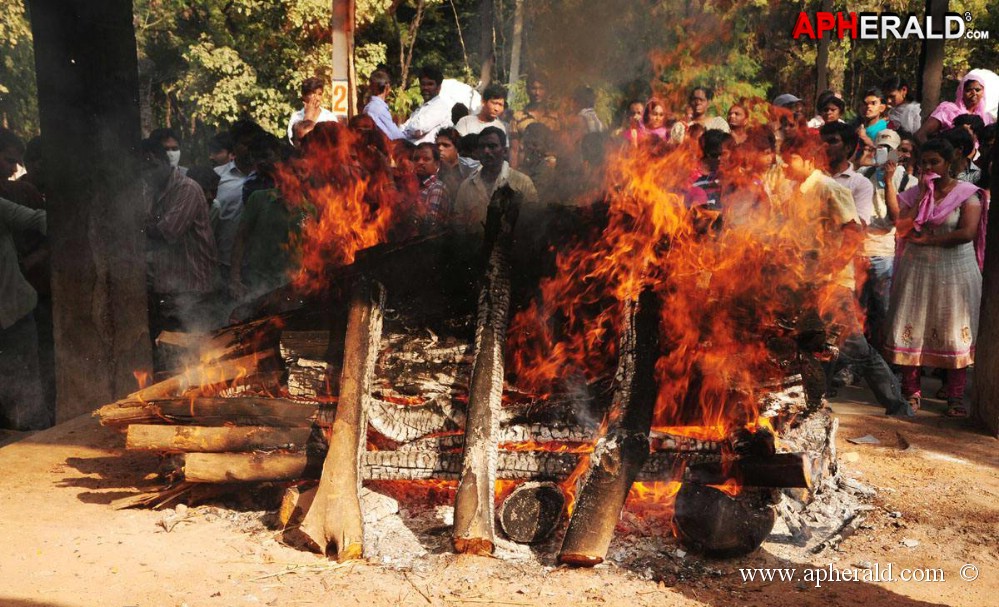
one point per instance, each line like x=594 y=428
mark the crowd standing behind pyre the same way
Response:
x=904 y=195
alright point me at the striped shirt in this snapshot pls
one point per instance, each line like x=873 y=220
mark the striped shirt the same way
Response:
x=182 y=254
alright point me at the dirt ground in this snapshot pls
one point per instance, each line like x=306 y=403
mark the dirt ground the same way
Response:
x=936 y=506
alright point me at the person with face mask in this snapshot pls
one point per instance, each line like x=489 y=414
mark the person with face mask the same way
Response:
x=167 y=137
x=180 y=245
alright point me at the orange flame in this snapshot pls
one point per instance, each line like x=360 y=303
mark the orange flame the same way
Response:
x=730 y=487
x=723 y=287
x=352 y=198
x=142 y=377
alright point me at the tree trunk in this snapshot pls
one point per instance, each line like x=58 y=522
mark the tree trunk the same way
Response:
x=518 y=41
x=85 y=61
x=986 y=384
x=335 y=518
x=931 y=60
x=822 y=58
x=410 y=42
x=486 y=54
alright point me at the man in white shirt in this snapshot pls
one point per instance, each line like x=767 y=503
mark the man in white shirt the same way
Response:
x=312 y=98
x=840 y=145
x=434 y=114
x=228 y=205
x=493 y=104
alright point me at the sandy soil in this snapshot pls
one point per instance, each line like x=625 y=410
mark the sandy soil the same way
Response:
x=937 y=506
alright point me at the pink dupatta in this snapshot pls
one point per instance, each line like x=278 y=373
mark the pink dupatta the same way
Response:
x=930 y=214
x=947 y=111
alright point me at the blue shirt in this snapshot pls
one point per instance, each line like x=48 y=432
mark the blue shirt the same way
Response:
x=378 y=110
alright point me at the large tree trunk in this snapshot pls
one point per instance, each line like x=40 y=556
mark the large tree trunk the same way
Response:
x=822 y=58
x=931 y=60
x=85 y=60
x=486 y=54
x=518 y=42
x=986 y=385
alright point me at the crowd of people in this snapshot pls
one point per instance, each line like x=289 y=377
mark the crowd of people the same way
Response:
x=904 y=196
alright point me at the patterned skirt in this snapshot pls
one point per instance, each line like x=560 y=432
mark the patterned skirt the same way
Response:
x=935 y=300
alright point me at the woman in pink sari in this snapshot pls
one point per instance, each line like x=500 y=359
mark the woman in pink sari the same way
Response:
x=937 y=287
x=654 y=120
x=970 y=100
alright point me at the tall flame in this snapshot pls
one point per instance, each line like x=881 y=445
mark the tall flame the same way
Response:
x=724 y=284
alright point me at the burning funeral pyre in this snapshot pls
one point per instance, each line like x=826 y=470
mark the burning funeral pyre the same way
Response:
x=563 y=362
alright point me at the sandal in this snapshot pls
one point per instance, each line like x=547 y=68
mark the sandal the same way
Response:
x=914 y=402
x=956 y=409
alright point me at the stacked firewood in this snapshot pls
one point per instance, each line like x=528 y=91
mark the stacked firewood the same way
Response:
x=378 y=395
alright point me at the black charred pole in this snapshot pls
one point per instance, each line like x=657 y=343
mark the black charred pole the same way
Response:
x=618 y=456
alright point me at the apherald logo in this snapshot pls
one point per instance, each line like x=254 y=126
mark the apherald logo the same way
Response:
x=880 y=26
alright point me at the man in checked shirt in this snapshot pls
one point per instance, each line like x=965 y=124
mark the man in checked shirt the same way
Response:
x=180 y=247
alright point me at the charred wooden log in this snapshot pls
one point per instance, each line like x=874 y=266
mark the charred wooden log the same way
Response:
x=335 y=520
x=619 y=456
x=409 y=465
x=307 y=358
x=206 y=439
x=474 y=500
x=532 y=512
x=779 y=470
x=405 y=423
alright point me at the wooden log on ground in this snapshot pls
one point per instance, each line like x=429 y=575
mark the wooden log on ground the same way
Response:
x=334 y=521
x=247 y=467
x=210 y=411
x=532 y=512
x=207 y=439
x=619 y=456
x=409 y=465
x=474 y=505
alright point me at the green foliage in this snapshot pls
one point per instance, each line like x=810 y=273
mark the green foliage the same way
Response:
x=18 y=93
x=207 y=63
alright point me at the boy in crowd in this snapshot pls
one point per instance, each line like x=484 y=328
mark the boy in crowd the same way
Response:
x=493 y=105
